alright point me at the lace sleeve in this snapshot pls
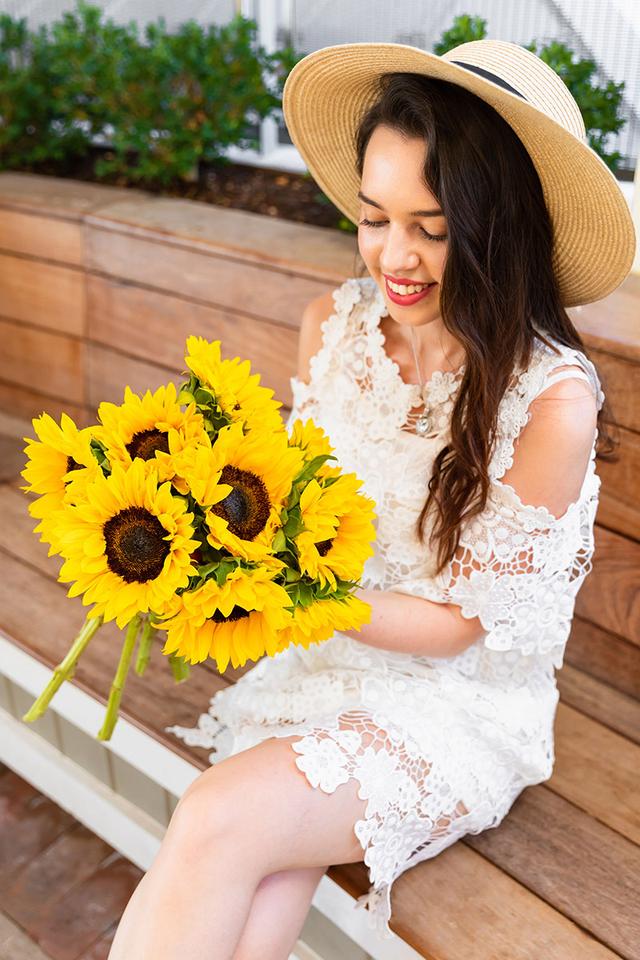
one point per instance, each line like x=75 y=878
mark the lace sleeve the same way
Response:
x=519 y=566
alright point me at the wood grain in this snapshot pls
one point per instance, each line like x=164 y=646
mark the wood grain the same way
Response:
x=586 y=870
x=597 y=770
x=215 y=279
x=109 y=371
x=53 y=362
x=619 y=505
x=459 y=905
x=23 y=401
x=154 y=327
x=46 y=295
x=600 y=701
x=611 y=324
x=49 y=238
x=610 y=595
x=604 y=656
x=38 y=616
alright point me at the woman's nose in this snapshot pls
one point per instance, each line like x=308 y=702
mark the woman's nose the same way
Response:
x=398 y=256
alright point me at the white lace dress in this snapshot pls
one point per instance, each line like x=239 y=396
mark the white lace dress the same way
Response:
x=422 y=735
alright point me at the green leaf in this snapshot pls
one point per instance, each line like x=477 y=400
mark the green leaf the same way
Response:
x=279 y=542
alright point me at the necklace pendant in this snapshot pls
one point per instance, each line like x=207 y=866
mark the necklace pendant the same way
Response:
x=423 y=424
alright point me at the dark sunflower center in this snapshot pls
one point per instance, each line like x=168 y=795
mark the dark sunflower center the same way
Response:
x=134 y=545
x=237 y=613
x=246 y=508
x=145 y=443
x=324 y=546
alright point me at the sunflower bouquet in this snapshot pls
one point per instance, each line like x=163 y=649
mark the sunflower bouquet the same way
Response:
x=192 y=515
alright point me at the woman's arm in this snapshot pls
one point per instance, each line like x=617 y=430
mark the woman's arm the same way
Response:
x=548 y=469
x=409 y=624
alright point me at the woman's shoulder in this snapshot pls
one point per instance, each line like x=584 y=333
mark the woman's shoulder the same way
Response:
x=553 y=361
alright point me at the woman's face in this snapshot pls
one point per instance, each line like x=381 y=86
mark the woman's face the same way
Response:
x=404 y=218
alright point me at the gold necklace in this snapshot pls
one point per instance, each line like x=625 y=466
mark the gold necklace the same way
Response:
x=423 y=422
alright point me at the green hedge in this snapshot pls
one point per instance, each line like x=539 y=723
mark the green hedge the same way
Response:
x=169 y=104
x=166 y=102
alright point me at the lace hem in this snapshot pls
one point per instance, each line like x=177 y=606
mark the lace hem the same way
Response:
x=414 y=807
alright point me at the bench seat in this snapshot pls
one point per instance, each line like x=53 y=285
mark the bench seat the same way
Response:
x=100 y=286
x=557 y=878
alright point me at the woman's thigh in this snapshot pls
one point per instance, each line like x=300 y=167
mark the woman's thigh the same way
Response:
x=259 y=800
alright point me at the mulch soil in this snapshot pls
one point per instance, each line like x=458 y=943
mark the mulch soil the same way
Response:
x=274 y=193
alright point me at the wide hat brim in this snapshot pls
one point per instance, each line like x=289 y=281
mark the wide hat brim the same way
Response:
x=327 y=92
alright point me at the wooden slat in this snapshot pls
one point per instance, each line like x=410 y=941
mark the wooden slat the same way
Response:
x=610 y=594
x=38 y=616
x=597 y=770
x=604 y=656
x=576 y=741
x=47 y=295
x=49 y=238
x=22 y=401
x=620 y=378
x=121 y=315
x=619 y=506
x=12 y=458
x=16 y=532
x=612 y=324
x=52 y=361
x=586 y=870
x=109 y=371
x=325 y=255
x=59 y=196
x=460 y=906
x=54 y=617
x=599 y=701
x=218 y=280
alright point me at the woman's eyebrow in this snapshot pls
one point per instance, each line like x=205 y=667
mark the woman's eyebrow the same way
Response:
x=414 y=213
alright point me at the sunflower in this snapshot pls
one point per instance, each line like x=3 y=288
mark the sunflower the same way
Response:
x=236 y=389
x=59 y=466
x=129 y=545
x=152 y=427
x=314 y=441
x=261 y=470
x=343 y=552
x=318 y=620
x=236 y=621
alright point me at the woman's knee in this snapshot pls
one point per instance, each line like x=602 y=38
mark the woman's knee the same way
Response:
x=206 y=811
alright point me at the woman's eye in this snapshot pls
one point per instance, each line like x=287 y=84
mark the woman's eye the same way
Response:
x=380 y=223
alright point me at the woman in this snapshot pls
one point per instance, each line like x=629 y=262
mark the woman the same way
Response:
x=468 y=406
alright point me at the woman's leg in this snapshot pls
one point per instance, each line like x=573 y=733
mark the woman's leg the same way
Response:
x=194 y=900
x=278 y=913
x=244 y=818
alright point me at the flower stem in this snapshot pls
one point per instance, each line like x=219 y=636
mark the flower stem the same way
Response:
x=179 y=667
x=144 y=647
x=115 y=694
x=65 y=669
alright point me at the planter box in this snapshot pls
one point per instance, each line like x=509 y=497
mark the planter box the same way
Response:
x=101 y=286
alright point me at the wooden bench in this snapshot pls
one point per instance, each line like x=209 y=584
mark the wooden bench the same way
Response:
x=559 y=877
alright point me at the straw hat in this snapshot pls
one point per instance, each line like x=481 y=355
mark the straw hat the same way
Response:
x=327 y=92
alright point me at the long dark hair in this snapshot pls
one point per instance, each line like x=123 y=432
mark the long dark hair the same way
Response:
x=498 y=278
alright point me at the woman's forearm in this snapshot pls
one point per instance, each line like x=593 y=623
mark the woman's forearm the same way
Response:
x=413 y=625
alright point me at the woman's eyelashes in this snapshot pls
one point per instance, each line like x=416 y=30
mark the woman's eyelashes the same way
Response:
x=379 y=223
